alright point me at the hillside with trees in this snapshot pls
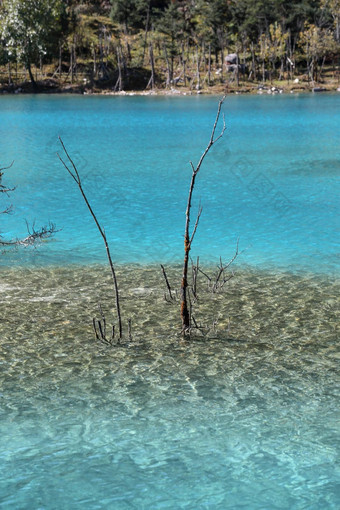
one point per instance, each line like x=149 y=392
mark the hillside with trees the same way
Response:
x=168 y=44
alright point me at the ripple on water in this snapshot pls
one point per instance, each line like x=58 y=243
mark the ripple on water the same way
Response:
x=239 y=419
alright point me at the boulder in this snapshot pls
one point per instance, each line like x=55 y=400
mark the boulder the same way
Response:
x=231 y=59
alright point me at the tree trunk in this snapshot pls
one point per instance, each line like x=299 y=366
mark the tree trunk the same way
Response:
x=281 y=69
x=94 y=62
x=29 y=69
x=152 y=63
x=238 y=70
x=204 y=57
x=71 y=63
x=119 y=82
x=75 y=57
x=146 y=32
x=10 y=81
x=168 y=68
x=60 y=60
x=209 y=65
x=189 y=237
x=187 y=245
x=321 y=68
x=253 y=61
x=222 y=67
x=184 y=66
x=198 y=85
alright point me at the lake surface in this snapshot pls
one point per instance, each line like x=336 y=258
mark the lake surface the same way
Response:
x=271 y=181
x=246 y=417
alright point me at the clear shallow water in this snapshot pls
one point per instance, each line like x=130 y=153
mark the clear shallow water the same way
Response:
x=272 y=181
x=246 y=418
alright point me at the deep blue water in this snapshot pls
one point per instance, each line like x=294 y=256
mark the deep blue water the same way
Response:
x=244 y=420
x=272 y=181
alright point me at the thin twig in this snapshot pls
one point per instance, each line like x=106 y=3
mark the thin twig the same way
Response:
x=129 y=330
x=200 y=209
x=222 y=267
x=194 y=278
x=204 y=274
x=167 y=282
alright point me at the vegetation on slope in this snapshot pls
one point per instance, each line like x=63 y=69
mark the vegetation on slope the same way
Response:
x=171 y=44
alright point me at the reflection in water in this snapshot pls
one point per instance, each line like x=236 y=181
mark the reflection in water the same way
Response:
x=246 y=418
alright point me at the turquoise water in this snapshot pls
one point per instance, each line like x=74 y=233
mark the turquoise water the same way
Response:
x=244 y=418
x=272 y=181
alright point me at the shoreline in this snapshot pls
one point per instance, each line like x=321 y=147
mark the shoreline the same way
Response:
x=52 y=87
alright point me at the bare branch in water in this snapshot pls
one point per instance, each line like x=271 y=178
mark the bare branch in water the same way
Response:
x=167 y=284
x=195 y=268
x=220 y=279
x=3 y=188
x=34 y=236
x=8 y=210
x=188 y=238
x=99 y=327
x=204 y=274
x=72 y=170
x=129 y=330
x=200 y=209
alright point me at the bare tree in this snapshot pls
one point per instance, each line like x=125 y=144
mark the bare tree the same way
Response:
x=187 y=299
x=189 y=236
x=101 y=331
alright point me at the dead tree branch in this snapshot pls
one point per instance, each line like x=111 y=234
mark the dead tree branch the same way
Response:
x=34 y=236
x=99 y=327
x=195 y=268
x=3 y=188
x=171 y=297
x=8 y=209
x=76 y=177
x=220 y=279
x=188 y=238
